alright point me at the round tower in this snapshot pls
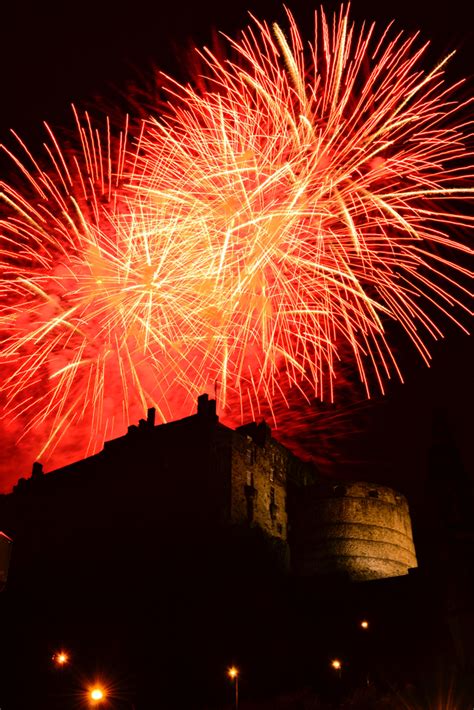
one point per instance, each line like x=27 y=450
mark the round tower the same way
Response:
x=358 y=530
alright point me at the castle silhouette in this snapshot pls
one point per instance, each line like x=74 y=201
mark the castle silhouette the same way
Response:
x=196 y=473
x=184 y=546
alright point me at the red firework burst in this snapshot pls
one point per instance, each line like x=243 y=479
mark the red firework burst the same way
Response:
x=91 y=337
x=265 y=230
x=322 y=185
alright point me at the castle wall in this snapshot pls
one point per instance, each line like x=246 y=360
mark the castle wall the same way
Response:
x=175 y=479
x=360 y=530
x=259 y=485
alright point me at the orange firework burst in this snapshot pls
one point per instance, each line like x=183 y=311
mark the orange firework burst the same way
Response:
x=321 y=184
x=264 y=230
x=93 y=330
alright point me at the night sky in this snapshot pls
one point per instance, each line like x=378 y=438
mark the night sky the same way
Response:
x=93 y=51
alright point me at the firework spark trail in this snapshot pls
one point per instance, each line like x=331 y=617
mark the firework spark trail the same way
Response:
x=319 y=182
x=257 y=238
x=97 y=320
x=93 y=331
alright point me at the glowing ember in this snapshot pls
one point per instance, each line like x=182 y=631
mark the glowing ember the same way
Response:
x=267 y=229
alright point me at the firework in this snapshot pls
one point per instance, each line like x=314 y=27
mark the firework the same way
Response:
x=322 y=185
x=258 y=238
x=92 y=330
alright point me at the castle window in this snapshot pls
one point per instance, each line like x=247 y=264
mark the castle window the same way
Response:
x=249 y=477
x=280 y=528
x=272 y=473
x=272 y=495
x=373 y=494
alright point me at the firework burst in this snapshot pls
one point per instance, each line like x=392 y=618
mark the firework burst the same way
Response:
x=91 y=331
x=257 y=238
x=323 y=184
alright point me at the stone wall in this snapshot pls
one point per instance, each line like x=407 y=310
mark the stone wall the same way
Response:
x=361 y=530
x=259 y=472
x=195 y=473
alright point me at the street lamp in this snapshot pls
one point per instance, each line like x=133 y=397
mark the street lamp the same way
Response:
x=337 y=665
x=233 y=674
x=96 y=695
x=61 y=658
x=364 y=625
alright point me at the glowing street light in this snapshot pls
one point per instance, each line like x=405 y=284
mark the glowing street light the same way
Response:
x=364 y=624
x=337 y=665
x=61 y=658
x=96 y=695
x=233 y=674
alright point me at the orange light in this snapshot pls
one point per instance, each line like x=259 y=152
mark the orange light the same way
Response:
x=61 y=658
x=233 y=672
x=336 y=664
x=364 y=624
x=97 y=694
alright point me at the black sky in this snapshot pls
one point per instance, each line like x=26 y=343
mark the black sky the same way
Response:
x=52 y=55
x=55 y=53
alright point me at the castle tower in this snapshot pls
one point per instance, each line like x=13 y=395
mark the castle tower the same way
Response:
x=361 y=531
